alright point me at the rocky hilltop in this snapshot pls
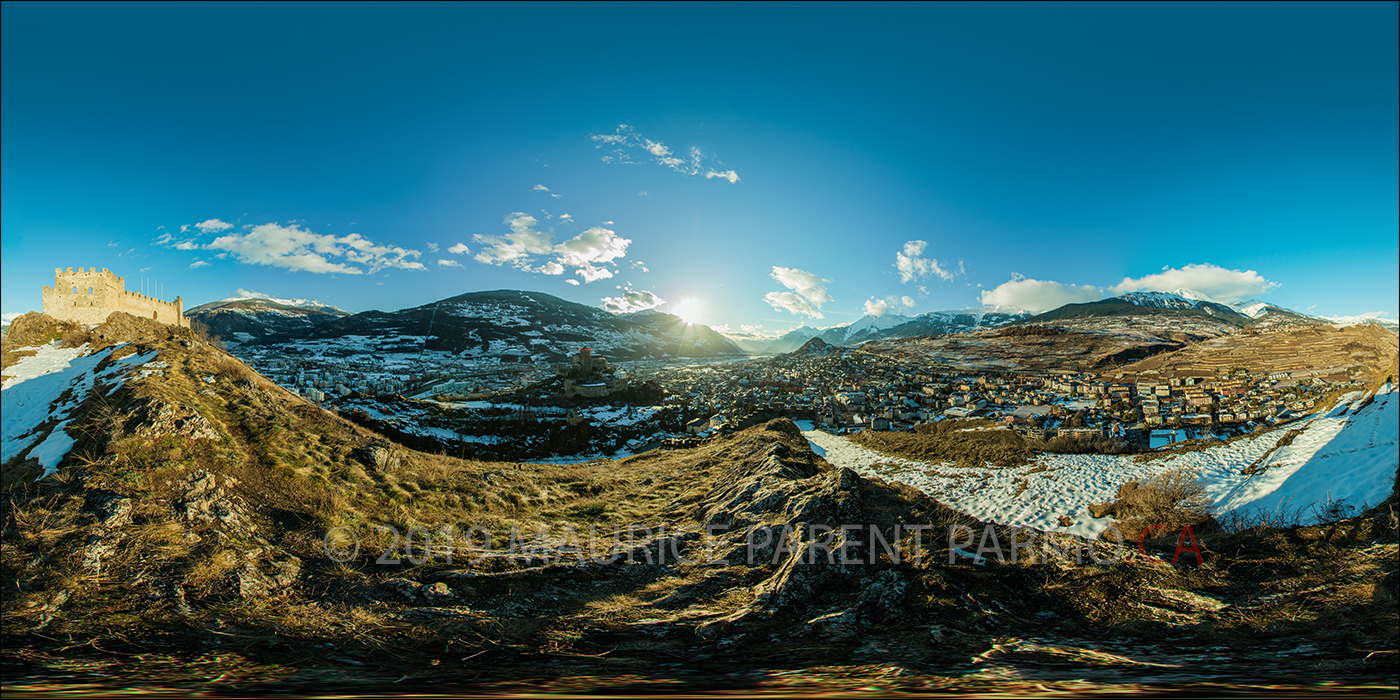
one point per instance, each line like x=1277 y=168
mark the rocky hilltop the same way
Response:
x=195 y=518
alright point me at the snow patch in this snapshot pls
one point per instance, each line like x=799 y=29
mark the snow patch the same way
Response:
x=1347 y=458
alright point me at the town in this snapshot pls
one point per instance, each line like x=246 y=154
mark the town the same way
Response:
x=845 y=390
x=848 y=389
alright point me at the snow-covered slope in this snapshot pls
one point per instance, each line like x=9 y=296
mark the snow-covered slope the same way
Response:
x=1342 y=461
x=41 y=392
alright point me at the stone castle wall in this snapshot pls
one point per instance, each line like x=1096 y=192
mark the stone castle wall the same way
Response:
x=89 y=296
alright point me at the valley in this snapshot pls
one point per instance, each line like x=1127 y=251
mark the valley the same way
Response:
x=519 y=524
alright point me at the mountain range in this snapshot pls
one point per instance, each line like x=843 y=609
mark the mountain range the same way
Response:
x=504 y=323
x=516 y=323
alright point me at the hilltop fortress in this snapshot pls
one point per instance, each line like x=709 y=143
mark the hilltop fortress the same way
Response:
x=89 y=297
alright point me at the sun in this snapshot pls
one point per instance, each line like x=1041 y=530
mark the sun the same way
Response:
x=689 y=310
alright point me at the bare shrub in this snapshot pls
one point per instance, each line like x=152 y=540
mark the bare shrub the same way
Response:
x=1096 y=445
x=232 y=369
x=1173 y=498
x=74 y=336
x=968 y=443
x=202 y=332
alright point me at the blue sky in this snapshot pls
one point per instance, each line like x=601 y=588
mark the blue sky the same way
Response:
x=756 y=166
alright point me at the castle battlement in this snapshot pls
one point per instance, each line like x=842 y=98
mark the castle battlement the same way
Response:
x=88 y=296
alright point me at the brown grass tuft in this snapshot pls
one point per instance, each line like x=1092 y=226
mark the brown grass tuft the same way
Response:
x=1173 y=498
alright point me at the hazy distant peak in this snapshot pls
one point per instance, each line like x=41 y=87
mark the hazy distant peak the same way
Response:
x=298 y=303
x=877 y=322
x=1251 y=308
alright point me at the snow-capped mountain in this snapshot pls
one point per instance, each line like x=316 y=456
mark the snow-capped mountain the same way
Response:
x=791 y=340
x=1148 y=304
x=871 y=328
x=1372 y=318
x=961 y=321
x=1251 y=308
x=866 y=328
x=1166 y=300
x=245 y=319
x=296 y=303
x=515 y=324
x=1185 y=303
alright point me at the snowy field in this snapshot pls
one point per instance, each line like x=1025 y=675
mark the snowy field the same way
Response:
x=1346 y=456
x=41 y=393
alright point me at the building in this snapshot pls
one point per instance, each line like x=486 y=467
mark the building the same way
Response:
x=591 y=377
x=88 y=297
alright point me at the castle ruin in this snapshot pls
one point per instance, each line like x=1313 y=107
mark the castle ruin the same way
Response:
x=589 y=376
x=88 y=297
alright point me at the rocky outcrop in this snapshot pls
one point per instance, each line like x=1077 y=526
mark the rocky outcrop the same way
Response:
x=155 y=418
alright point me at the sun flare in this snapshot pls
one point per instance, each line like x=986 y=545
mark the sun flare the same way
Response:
x=689 y=310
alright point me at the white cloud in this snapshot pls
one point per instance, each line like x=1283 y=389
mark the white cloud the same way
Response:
x=876 y=307
x=211 y=226
x=655 y=148
x=586 y=253
x=1037 y=296
x=198 y=264
x=593 y=274
x=448 y=263
x=623 y=142
x=432 y=247
x=459 y=249
x=880 y=307
x=184 y=228
x=516 y=246
x=911 y=263
x=572 y=281
x=632 y=300
x=586 y=250
x=540 y=188
x=295 y=248
x=566 y=216
x=807 y=295
x=1221 y=285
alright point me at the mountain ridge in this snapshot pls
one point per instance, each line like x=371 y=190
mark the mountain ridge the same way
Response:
x=519 y=323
